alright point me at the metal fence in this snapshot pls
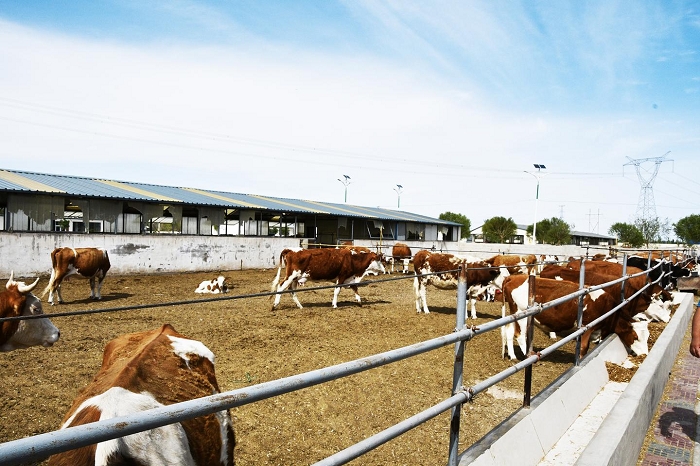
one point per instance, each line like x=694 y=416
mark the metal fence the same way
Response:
x=39 y=447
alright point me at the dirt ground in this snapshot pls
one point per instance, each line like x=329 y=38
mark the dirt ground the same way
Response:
x=253 y=344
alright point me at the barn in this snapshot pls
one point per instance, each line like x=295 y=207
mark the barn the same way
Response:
x=199 y=225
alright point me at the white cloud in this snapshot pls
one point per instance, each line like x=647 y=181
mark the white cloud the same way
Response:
x=288 y=122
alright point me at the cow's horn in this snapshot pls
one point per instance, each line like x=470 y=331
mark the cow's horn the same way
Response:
x=22 y=288
x=9 y=282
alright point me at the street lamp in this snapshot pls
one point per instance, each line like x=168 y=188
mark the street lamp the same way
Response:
x=346 y=182
x=398 y=190
x=537 y=176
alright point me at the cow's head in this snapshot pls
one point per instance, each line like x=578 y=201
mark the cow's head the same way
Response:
x=634 y=335
x=376 y=266
x=30 y=332
x=225 y=283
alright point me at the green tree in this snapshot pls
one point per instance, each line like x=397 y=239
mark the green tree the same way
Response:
x=557 y=232
x=688 y=229
x=628 y=235
x=458 y=218
x=650 y=228
x=552 y=231
x=498 y=229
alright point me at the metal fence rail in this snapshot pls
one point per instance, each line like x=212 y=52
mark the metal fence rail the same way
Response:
x=38 y=447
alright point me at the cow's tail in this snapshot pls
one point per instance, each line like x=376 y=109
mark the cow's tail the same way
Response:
x=53 y=274
x=276 y=281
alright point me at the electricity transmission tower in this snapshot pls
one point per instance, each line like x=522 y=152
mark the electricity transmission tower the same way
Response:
x=646 y=207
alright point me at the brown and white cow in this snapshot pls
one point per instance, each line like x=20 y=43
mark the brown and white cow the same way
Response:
x=634 y=283
x=17 y=300
x=217 y=285
x=146 y=370
x=597 y=276
x=342 y=265
x=90 y=263
x=516 y=263
x=479 y=276
x=400 y=252
x=561 y=319
x=350 y=245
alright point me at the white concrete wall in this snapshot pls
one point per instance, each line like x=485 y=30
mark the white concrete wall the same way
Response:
x=29 y=254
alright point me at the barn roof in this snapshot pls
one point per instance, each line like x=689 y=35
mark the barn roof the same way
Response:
x=42 y=183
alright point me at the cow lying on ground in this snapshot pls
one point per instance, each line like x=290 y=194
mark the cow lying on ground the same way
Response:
x=217 y=285
x=90 y=263
x=562 y=318
x=342 y=265
x=479 y=276
x=17 y=300
x=147 y=370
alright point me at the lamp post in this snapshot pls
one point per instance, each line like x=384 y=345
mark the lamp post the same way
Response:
x=537 y=176
x=398 y=190
x=346 y=182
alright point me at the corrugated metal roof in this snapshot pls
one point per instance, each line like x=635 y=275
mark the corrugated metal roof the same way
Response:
x=18 y=181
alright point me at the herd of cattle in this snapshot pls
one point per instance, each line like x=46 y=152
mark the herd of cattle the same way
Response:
x=507 y=275
x=128 y=383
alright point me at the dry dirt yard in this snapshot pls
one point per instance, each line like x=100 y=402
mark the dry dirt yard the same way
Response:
x=253 y=344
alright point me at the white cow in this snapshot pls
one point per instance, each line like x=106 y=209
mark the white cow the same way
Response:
x=217 y=285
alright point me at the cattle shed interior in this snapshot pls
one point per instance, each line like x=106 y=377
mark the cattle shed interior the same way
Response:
x=39 y=202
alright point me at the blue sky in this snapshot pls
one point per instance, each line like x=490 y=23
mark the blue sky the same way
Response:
x=452 y=100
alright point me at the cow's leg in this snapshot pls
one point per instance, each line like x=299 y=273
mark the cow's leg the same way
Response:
x=405 y=266
x=55 y=286
x=293 y=287
x=357 y=295
x=100 y=279
x=336 y=292
x=92 y=287
x=419 y=287
x=472 y=301
x=59 y=297
x=53 y=289
x=507 y=337
x=291 y=278
x=522 y=338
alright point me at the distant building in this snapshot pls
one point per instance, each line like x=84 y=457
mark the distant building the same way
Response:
x=41 y=203
x=578 y=238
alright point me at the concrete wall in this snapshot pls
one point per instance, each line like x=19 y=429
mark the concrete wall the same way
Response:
x=28 y=254
x=528 y=435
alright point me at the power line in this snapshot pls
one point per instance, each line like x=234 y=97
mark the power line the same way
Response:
x=298 y=151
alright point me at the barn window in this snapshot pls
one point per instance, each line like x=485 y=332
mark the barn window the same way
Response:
x=415 y=231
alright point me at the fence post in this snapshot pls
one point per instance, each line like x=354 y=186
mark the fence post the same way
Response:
x=456 y=412
x=624 y=272
x=579 y=319
x=527 y=389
